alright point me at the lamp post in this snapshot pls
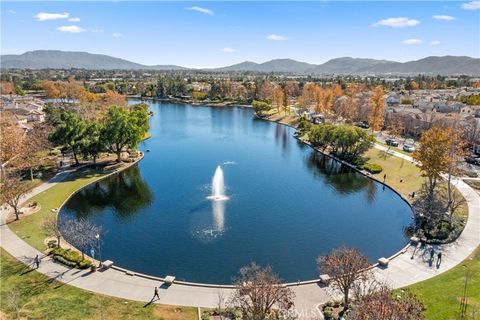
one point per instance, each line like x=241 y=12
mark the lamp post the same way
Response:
x=97 y=236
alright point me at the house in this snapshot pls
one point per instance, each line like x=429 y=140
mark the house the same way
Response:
x=35 y=116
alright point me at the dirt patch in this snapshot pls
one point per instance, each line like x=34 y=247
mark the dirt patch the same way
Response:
x=26 y=211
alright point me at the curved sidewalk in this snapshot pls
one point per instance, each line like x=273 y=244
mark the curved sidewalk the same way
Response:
x=402 y=270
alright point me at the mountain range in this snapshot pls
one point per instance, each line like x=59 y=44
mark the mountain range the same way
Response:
x=445 y=65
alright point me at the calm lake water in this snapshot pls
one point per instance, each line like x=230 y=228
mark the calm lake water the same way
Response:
x=287 y=204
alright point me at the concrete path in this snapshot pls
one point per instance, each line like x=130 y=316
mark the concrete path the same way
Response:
x=402 y=270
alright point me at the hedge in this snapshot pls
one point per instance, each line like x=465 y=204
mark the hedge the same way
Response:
x=70 y=258
x=373 y=168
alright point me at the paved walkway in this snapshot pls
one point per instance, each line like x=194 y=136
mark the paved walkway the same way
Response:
x=402 y=270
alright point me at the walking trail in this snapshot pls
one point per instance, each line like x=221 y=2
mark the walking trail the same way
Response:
x=404 y=269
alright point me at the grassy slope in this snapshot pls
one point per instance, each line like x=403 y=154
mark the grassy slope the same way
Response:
x=41 y=298
x=441 y=294
x=396 y=169
x=29 y=228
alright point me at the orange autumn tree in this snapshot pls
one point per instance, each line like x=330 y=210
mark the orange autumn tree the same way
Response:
x=433 y=154
x=278 y=98
x=377 y=107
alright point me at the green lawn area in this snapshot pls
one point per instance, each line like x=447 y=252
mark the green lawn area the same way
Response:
x=29 y=228
x=38 y=297
x=396 y=169
x=441 y=295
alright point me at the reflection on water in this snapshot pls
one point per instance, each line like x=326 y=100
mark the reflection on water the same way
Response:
x=342 y=178
x=208 y=225
x=218 y=209
x=126 y=192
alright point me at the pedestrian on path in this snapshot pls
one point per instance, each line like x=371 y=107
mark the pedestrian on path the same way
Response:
x=155 y=294
x=432 y=254
x=439 y=259
x=36 y=261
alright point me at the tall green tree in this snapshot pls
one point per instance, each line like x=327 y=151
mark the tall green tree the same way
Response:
x=124 y=128
x=70 y=132
x=93 y=143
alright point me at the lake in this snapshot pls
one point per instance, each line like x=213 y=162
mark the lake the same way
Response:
x=287 y=204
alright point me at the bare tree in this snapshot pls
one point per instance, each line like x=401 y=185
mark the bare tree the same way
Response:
x=80 y=233
x=52 y=229
x=385 y=305
x=346 y=267
x=260 y=294
x=12 y=191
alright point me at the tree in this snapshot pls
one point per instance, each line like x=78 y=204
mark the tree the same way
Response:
x=124 y=129
x=266 y=91
x=70 y=132
x=346 y=267
x=81 y=233
x=377 y=106
x=6 y=87
x=13 y=189
x=278 y=98
x=93 y=145
x=309 y=97
x=433 y=154
x=386 y=305
x=12 y=141
x=259 y=291
x=51 y=228
x=395 y=129
x=260 y=107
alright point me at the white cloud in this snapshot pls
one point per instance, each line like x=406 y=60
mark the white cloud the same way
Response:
x=45 y=16
x=202 y=10
x=397 y=22
x=473 y=5
x=97 y=30
x=434 y=43
x=443 y=17
x=228 y=50
x=276 y=37
x=412 y=41
x=74 y=19
x=70 y=29
x=117 y=35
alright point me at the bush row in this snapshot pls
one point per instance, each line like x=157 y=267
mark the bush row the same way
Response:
x=70 y=258
x=372 y=168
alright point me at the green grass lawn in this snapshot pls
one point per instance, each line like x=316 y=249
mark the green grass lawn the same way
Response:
x=441 y=295
x=29 y=228
x=397 y=170
x=38 y=297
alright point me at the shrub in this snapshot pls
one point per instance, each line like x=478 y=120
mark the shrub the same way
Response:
x=373 y=168
x=328 y=313
x=85 y=264
x=70 y=258
x=64 y=261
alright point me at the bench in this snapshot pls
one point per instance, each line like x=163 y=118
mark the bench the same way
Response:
x=107 y=264
x=169 y=279
x=414 y=240
x=383 y=262
x=325 y=279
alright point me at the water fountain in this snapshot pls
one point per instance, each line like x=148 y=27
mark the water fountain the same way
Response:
x=218 y=186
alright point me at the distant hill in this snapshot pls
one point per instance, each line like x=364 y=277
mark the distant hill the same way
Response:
x=56 y=59
x=446 y=65
x=277 y=65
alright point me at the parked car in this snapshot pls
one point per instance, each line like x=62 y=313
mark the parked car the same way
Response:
x=362 y=124
x=473 y=160
x=391 y=142
x=408 y=148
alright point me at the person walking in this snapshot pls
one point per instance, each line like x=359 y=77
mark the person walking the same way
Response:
x=155 y=294
x=439 y=259
x=36 y=261
x=432 y=254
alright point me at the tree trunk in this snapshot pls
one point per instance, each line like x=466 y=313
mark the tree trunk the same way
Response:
x=449 y=187
x=58 y=241
x=119 y=155
x=75 y=156
x=346 y=300
x=31 y=174
x=17 y=213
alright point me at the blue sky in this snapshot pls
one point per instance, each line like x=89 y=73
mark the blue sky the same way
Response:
x=210 y=34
